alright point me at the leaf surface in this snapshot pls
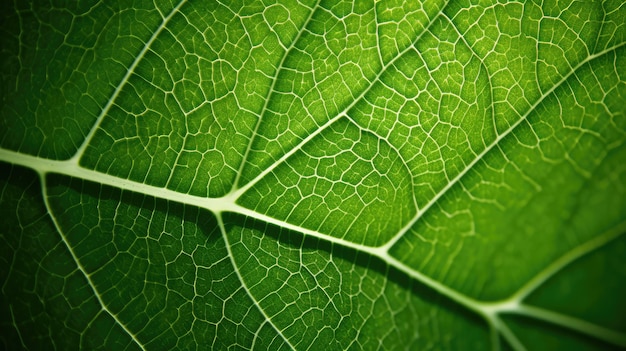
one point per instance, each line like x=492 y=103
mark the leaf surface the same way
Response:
x=313 y=175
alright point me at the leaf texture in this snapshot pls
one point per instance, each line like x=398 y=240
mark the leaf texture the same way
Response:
x=313 y=175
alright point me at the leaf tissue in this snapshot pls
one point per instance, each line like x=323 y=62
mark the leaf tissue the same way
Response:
x=313 y=175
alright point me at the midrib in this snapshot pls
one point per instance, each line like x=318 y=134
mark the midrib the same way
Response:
x=489 y=311
x=219 y=205
x=71 y=168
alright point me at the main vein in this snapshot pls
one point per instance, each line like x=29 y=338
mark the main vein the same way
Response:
x=228 y=204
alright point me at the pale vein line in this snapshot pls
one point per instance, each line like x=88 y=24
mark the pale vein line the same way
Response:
x=567 y=259
x=602 y=22
x=452 y=294
x=240 y=191
x=18 y=247
x=269 y=94
x=81 y=150
x=508 y=335
x=217 y=205
x=481 y=155
x=17 y=328
x=572 y=323
x=343 y=113
x=514 y=305
x=494 y=335
x=80 y=265
x=257 y=332
x=235 y=208
x=484 y=66
x=378 y=36
x=489 y=310
x=71 y=169
x=220 y=222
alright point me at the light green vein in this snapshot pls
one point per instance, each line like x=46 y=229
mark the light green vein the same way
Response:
x=500 y=137
x=131 y=69
x=80 y=266
x=220 y=222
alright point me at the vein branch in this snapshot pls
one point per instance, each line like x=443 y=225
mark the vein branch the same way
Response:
x=17 y=327
x=80 y=266
x=508 y=335
x=572 y=323
x=220 y=222
x=323 y=127
x=267 y=98
x=489 y=310
x=515 y=305
x=498 y=139
x=131 y=69
x=71 y=169
x=567 y=259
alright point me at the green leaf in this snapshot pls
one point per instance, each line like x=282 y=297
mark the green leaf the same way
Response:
x=313 y=175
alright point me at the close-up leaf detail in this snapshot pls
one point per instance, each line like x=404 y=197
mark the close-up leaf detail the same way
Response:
x=313 y=175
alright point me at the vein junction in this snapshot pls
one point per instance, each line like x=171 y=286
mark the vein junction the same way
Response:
x=490 y=311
